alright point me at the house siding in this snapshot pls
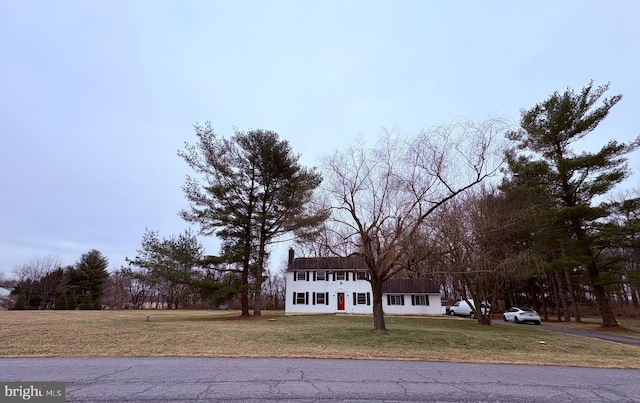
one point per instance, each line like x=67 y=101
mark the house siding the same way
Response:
x=434 y=308
x=331 y=287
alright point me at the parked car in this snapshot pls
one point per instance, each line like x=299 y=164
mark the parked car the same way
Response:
x=521 y=315
x=462 y=308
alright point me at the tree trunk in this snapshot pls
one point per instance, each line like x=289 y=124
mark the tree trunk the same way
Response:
x=482 y=319
x=244 y=291
x=572 y=296
x=563 y=298
x=257 y=299
x=608 y=320
x=262 y=252
x=602 y=299
x=556 y=298
x=545 y=311
x=532 y=293
x=623 y=295
x=378 y=313
x=477 y=307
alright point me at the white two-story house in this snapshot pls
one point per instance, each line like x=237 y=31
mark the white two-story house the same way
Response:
x=340 y=285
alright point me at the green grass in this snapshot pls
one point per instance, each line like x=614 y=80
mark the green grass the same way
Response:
x=224 y=334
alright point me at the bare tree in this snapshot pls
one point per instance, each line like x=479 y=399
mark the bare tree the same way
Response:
x=382 y=194
x=481 y=241
x=30 y=276
x=116 y=295
x=273 y=288
x=138 y=286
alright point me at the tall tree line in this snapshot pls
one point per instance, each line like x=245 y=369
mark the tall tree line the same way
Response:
x=545 y=160
x=547 y=237
x=43 y=283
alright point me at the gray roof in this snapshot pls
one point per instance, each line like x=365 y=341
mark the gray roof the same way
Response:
x=352 y=262
x=356 y=262
x=410 y=286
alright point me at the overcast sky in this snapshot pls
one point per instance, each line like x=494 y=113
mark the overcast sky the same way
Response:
x=96 y=97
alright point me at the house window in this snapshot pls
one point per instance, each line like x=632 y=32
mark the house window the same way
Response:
x=300 y=298
x=340 y=276
x=320 y=298
x=362 y=275
x=301 y=275
x=395 y=299
x=321 y=275
x=361 y=298
x=419 y=300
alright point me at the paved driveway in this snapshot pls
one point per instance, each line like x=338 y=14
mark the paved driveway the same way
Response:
x=596 y=335
x=618 y=338
x=307 y=380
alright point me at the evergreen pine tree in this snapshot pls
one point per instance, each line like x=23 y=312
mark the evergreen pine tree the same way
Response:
x=571 y=180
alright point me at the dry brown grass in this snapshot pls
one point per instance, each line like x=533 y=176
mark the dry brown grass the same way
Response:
x=224 y=334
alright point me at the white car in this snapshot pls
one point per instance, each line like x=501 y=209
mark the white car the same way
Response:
x=462 y=308
x=521 y=315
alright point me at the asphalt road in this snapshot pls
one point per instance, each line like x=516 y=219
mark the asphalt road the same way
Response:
x=307 y=380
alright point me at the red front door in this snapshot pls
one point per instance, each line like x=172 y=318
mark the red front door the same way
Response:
x=341 y=301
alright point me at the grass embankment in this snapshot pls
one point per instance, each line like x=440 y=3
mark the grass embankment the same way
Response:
x=224 y=334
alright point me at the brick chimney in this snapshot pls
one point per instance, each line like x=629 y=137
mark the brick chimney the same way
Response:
x=291 y=256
